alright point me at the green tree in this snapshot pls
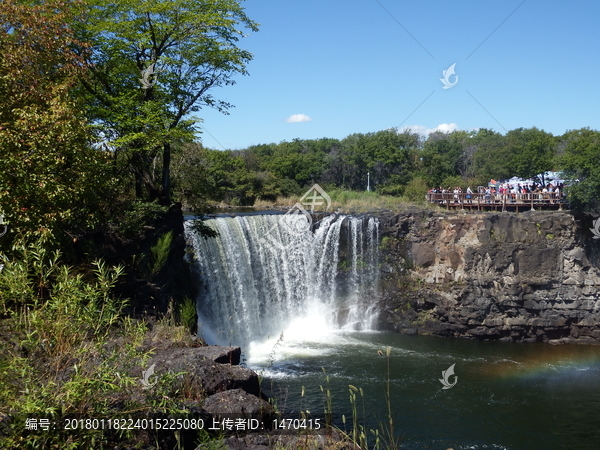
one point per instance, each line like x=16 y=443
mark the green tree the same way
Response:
x=154 y=64
x=491 y=157
x=581 y=164
x=53 y=182
x=531 y=152
x=388 y=157
x=300 y=160
x=441 y=157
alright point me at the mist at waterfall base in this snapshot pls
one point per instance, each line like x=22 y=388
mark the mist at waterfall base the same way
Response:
x=300 y=303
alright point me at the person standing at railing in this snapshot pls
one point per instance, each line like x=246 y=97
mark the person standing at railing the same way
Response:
x=469 y=194
x=551 y=193
x=513 y=193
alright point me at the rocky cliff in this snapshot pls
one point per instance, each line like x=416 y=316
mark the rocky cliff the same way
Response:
x=525 y=277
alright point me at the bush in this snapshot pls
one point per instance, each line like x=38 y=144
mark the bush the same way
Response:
x=69 y=349
x=452 y=181
x=416 y=189
x=393 y=189
x=138 y=215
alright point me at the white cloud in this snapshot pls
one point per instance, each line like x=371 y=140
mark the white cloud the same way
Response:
x=442 y=127
x=298 y=118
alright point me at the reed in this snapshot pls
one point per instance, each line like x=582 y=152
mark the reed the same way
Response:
x=362 y=437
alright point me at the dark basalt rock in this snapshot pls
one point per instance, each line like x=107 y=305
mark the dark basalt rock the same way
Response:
x=222 y=377
x=239 y=403
x=332 y=440
x=530 y=277
x=207 y=368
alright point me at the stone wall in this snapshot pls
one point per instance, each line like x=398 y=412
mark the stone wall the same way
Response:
x=525 y=277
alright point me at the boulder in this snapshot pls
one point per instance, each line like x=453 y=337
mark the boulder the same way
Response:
x=239 y=404
x=201 y=367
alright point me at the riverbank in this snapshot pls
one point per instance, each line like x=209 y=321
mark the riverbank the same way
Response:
x=147 y=372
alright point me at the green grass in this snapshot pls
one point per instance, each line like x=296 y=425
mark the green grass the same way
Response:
x=68 y=350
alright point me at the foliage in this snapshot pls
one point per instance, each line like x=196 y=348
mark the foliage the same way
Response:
x=182 y=50
x=61 y=365
x=160 y=252
x=532 y=152
x=68 y=351
x=491 y=157
x=186 y=313
x=581 y=161
x=136 y=216
x=54 y=183
x=416 y=189
x=440 y=157
x=398 y=164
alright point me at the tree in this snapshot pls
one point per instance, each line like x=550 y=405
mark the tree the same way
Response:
x=531 y=152
x=491 y=158
x=53 y=182
x=441 y=158
x=388 y=157
x=580 y=163
x=154 y=64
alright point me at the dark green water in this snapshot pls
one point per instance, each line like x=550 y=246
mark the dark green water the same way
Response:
x=507 y=396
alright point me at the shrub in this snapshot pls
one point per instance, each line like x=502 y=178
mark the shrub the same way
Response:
x=416 y=189
x=69 y=348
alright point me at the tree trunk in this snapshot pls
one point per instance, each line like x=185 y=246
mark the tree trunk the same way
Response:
x=139 y=182
x=166 y=175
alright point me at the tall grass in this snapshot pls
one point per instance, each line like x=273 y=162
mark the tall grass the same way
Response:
x=160 y=252
x=346 y=201
x=68 y=351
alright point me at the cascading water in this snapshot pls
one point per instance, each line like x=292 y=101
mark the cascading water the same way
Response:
x=264 y=275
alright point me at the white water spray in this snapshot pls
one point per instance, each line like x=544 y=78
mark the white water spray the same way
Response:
x=264 y=275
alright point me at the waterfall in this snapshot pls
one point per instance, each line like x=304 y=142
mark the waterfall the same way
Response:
x=262 y=272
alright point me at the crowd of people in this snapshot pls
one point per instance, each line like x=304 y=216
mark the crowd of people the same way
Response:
x=553 y=192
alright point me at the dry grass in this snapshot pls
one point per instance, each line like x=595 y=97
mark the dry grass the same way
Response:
x=351 y=202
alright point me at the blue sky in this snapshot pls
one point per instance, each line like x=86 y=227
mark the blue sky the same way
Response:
x=352 y=67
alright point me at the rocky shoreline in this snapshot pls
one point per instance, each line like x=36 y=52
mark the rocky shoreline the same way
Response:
x=233 y=392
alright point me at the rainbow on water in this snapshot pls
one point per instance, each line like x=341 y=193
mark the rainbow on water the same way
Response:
x=544 y=360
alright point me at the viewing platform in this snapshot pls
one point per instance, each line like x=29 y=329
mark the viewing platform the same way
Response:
x=499 y=202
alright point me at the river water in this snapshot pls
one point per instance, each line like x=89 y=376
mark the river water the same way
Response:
x=506 y=396
x=293 y=297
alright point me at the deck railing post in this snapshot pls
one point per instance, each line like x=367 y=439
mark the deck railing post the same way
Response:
x=531 y=198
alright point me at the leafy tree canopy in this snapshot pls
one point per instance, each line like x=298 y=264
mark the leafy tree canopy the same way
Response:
x=154 y=64
x=53 y=181
x=581 y=161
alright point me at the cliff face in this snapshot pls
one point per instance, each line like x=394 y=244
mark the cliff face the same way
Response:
x=514 y=277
